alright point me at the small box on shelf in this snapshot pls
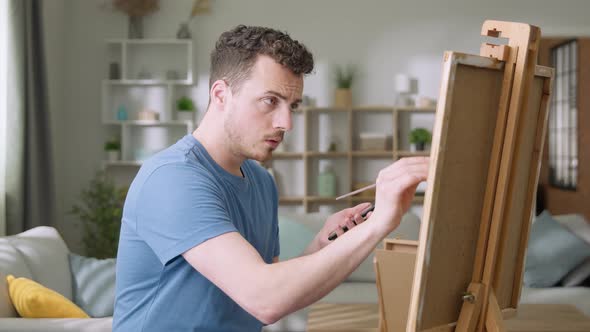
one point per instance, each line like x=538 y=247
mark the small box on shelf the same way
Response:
x=373 y=141
x=147 y=115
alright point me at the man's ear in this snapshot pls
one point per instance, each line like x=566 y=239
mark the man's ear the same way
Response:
x=219 y=92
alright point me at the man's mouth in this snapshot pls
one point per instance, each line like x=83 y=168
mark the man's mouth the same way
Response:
x=273 y=142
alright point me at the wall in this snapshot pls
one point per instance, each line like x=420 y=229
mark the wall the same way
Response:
x=383 y=37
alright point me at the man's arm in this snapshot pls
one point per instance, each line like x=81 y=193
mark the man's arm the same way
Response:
x=271 y=291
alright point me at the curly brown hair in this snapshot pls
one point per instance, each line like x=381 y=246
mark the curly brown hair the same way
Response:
x=237 y=49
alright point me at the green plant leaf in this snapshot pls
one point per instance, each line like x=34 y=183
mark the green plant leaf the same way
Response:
x=185 y=104
x=100 y=212
x=345 y=76
x=420 y=135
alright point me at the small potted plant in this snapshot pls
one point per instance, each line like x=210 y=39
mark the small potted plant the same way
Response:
x=185 y=109
x=113 y=149
x=419 y=137
x=344 y=80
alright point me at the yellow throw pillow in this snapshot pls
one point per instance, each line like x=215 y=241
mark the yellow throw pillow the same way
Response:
x=33 y=300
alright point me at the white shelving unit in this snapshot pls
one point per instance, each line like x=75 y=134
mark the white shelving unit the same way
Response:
x=152 y=75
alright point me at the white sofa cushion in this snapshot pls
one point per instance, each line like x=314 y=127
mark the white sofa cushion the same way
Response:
x=11 y=261
x=6 y=307
x=46 y=255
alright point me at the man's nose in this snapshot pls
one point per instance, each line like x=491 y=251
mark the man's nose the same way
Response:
x=284 y=120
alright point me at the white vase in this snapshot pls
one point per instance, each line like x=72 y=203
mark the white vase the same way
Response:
x=113 y=155
x=185 y=116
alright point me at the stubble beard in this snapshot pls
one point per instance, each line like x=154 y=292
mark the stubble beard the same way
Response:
x=238 y=145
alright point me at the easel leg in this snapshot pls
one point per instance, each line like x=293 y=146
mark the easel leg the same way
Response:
x=471 y=309
x=494 y=320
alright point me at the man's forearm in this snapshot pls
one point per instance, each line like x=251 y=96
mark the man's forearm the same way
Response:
x=290 y=290
x=313 y=246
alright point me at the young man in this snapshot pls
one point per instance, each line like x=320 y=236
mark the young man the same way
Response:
x=199 y=238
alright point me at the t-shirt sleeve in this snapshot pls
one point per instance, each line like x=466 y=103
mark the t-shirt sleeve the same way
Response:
x=180 y=207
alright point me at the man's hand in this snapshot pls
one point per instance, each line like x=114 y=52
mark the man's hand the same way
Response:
x=396 y=186
x=338 y=222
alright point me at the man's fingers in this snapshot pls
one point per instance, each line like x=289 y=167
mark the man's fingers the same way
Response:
x=420 y=174
x=393 y=172
x=407 y=161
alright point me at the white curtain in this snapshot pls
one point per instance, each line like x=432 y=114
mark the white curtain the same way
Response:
x=4 y=17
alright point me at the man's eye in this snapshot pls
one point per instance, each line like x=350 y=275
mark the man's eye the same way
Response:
x=294 y=106
x=270 y=101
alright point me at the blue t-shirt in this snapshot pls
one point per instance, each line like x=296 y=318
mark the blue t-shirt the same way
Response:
x=180 y=198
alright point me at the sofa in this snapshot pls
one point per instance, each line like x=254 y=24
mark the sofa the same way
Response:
x=41 y=254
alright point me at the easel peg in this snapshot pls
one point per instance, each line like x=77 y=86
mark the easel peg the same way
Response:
x=469 y=297
x=499 y=52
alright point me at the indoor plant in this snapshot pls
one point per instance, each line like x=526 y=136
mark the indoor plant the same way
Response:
x=344 y=80
x=100 y=213
x=113 y=149
x=185 y=109
x=419 y=137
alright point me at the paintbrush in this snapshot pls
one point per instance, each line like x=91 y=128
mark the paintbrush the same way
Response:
x=357 y=191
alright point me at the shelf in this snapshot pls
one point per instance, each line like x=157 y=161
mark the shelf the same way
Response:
x=149 y=123
x=404 y=153
x=148 y=82
x=291 y=200
x=361 y=199
x=324 y=200
x=416 y=109
x=287 y=155
x=369 y=108
x=317 y=154
x=349 y=162
x=325 y=109
x=373 y=154
x=122 y=163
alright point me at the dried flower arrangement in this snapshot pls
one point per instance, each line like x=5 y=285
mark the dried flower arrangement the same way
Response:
x=137 y=8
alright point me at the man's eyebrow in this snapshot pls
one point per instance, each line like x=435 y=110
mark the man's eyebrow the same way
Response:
x=281 y=96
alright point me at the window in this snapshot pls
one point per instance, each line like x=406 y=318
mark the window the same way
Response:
x=563 y=117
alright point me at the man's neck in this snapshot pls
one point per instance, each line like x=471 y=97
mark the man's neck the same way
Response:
x=218 y=150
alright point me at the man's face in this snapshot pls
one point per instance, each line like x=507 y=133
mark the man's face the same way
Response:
x=259 y=113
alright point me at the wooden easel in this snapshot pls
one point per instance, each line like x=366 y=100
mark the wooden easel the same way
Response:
x=487 y=143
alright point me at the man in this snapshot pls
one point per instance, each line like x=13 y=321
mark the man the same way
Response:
x=199 y=238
